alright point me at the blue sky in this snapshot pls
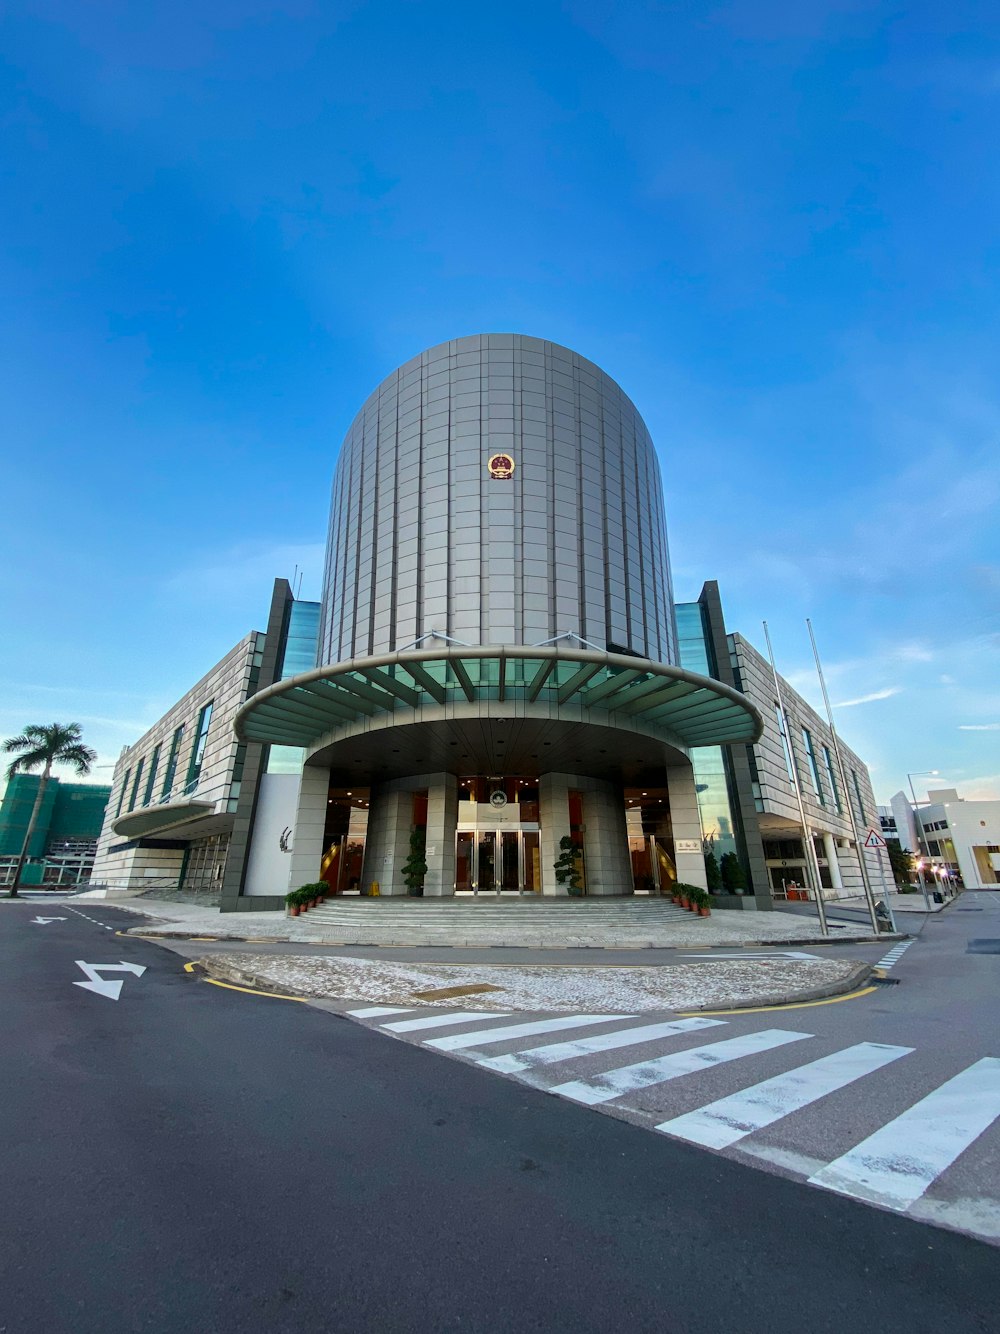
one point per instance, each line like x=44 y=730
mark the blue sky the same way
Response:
x=775 y=225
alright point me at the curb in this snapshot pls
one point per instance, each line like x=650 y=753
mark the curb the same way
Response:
x=856 y=978
x=154 y=933
x=227 y=973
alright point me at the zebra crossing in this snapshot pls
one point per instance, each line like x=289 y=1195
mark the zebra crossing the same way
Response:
x=894 y=955
x=761 y=1083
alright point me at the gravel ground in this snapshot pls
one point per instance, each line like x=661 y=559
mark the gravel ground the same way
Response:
x=623 y=990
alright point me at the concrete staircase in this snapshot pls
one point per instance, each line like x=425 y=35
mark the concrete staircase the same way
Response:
x=486 y=920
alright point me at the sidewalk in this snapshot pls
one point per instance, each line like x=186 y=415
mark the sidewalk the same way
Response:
x=900 y=903
x=409 y=924
x=625 y=990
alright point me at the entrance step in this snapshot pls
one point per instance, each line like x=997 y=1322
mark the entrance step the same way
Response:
x=485 y=922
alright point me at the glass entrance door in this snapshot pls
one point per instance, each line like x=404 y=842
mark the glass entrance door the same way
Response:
x=487 y=858
x=510 y=861
x=497 y=861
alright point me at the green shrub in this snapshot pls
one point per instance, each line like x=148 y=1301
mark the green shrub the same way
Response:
x=415 y=867
x=733 y=876
x=567 y=864
x=713 y=875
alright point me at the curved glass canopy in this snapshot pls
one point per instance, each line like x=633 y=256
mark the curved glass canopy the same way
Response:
x=696 y=710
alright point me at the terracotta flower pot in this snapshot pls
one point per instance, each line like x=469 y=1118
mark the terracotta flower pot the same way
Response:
x=684 y=903
x=293 y=910
x=704 y=912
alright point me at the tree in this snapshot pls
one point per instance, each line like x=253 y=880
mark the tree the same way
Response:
x=567 y=866
x=415 y=867
x=40 y=745
x=900 y=860
x=713 y=875
x=733 y=876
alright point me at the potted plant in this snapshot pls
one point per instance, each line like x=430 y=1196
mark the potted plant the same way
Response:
x=415 y=866
x=292 y=907
x=734 y=877
x=567 y=867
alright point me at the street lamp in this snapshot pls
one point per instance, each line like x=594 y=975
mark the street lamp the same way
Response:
x=921 y=835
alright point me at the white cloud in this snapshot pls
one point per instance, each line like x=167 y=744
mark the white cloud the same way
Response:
x=868 y=699
x=979 y=727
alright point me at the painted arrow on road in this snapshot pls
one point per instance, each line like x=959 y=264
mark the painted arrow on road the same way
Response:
x=97 y=983
x=44 y=921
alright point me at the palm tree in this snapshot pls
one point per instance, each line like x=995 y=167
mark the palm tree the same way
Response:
x=58 y=743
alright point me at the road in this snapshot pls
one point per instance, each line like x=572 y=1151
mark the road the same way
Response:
x=192 y=1158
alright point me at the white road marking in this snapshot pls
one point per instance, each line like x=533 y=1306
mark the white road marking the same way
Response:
x=897 y=1164
x=44 y=921
x=613 y=1083
x=514 y=1062
x=96 y=983
x=440 y=1020
x=721 y=1123
x=485 y=1036
x=92 y=920
x=372 y=1011
x=894 y=954
x=750 y=954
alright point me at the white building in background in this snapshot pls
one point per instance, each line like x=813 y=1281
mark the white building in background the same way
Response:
x=961 y=837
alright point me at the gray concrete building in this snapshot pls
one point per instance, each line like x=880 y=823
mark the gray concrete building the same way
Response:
x=496 y=671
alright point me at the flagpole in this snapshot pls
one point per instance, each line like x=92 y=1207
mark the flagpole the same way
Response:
x=808 y=847
x=862 y=859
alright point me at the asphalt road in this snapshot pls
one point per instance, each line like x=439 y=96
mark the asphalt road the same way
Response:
x=191 y=1158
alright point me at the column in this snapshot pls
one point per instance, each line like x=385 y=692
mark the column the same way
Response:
x=553 y=824
x=309 y=828
x=387 y=844
x=605 y=838
x=685 y=821
x=442 y=820
x=832 y=860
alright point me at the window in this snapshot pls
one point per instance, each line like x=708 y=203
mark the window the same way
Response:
x=154 y=764
x=784 y=742
x=813 y=766
x=121 y=794
x=831 y=774
x=171 y=770
x=857 y=793
x=198 y=749
x=135 y=786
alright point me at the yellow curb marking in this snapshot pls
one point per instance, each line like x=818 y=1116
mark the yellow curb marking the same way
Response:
x=248 y=991
x=797 y=1005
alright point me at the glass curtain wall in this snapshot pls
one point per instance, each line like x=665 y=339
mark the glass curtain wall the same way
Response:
x=713 y=782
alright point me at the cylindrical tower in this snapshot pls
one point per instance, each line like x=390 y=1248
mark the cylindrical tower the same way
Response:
x=497 y=489
x=497 y=694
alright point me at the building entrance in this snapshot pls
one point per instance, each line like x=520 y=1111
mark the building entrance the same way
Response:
x=497 y=861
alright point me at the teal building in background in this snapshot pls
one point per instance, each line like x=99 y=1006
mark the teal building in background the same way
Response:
x=65 y=839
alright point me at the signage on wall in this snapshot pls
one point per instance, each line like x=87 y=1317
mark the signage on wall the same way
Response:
x=501 y=466
x=498 y=799
x=687 y=845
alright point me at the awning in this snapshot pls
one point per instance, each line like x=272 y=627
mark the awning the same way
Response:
x=600 y=687
x=152 y=819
